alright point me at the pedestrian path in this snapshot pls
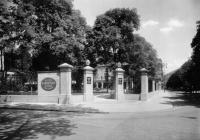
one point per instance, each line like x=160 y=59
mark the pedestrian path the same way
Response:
x=159 y=101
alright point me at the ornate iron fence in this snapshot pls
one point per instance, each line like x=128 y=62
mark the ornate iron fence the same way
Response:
x=15 y=83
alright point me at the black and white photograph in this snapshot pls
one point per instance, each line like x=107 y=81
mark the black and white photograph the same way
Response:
x=99 y=69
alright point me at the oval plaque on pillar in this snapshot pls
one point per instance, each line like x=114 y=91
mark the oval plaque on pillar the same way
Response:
x=48 y=84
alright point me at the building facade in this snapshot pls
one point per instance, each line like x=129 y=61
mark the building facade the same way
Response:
x=101 y=71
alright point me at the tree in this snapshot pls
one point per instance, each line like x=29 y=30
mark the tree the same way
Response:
x=111 y=32
x=51 y=26
x=16 y=26
x=60 y=32
x=40 y=35
x=187 y=76
x=175 y=82
x=90 y=49
x=140 y=54
x=111 y=40
x=127 y=20
x=181 y=78
x=194 y=71
x=196 y=45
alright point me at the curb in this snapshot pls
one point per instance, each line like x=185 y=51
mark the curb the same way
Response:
x=74 y=109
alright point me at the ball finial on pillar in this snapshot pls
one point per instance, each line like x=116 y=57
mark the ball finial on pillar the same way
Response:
x=119 y=65
x=87 y=62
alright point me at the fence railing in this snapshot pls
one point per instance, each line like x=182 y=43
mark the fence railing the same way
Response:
x=17 y=84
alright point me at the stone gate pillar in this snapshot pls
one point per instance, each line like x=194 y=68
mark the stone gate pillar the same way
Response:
x=101 y=85
x=159 y=85
x=119 y=83
x=144 y=84
x=88 y=82
x=156 y=85
x=96 y=84
x=65 y=83
x=153 y=85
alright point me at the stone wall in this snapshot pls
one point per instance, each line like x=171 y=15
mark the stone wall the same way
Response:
x=38 y=99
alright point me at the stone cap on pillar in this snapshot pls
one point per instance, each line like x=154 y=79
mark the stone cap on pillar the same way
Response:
x=65 y=66
x=87 y=67
x=119 y=69
x=143 y=71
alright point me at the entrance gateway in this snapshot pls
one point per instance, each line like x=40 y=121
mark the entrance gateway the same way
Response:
x=55 y=86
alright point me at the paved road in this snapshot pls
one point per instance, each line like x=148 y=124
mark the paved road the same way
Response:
x=158 y=101
x=179 y=123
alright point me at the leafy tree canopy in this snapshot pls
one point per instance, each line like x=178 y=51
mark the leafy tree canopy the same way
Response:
x=196 y=45
x=110 y=33
x=53 y=31
x=111 y=40
x=141 y=54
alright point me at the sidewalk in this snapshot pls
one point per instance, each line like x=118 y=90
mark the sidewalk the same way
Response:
x=100 y=105
x=155 y=103
x=48 y=107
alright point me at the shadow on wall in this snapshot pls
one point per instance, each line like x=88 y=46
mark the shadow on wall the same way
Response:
x=184 y=99
x=27 y=124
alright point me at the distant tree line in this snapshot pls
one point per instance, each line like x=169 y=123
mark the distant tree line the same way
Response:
x=187 y=77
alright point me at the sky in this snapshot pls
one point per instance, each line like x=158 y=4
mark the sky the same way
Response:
x=169 y=25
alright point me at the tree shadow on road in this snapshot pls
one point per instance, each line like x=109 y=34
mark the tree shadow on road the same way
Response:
x=184 y=99
x=19 y=125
